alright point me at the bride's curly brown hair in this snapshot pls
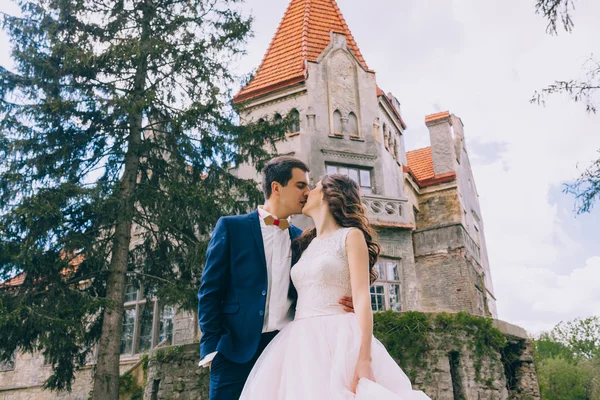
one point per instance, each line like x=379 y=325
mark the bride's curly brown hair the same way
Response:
x=343 y=196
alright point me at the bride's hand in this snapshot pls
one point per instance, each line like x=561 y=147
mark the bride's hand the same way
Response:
x=364 y=369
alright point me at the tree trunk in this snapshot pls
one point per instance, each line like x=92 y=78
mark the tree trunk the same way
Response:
x=106 y=377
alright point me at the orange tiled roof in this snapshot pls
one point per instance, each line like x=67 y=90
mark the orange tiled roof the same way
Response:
x=16 y=280
x=302 y=35
x=420 y=166
x=19 y=279
x=420 y=163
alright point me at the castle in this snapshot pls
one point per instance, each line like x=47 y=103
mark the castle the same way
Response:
x=423 y=203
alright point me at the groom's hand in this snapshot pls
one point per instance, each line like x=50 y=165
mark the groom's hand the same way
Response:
x=346 y=301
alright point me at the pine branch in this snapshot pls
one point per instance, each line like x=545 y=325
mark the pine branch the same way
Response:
x=555 y=10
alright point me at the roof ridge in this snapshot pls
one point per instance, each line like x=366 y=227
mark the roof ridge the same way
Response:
x=422 y=148
x=359 y=55
x=305 y=29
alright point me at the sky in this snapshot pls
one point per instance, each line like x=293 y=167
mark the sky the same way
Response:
x=483 y=60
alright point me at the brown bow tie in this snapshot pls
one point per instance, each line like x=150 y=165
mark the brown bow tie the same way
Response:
x=283 y=224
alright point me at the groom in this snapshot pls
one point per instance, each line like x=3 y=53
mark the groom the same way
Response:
x=246 y=296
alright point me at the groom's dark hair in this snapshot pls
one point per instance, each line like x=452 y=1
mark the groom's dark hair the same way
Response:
x=280 y=170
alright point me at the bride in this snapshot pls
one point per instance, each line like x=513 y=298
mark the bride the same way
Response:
x=327 y=353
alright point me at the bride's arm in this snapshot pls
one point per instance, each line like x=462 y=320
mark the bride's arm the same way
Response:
x=358 y=259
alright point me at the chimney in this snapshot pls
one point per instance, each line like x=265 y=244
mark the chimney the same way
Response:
x=441 y=134
x=459 y=136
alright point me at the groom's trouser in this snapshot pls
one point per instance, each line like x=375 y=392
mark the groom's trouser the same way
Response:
x=227 y=378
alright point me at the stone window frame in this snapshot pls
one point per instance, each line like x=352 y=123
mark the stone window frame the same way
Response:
x=353 y=135
x=9 y=365
x=138 y=306
x=360 y=174
x=382 y=286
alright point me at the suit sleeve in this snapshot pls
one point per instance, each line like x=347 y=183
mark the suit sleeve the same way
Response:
x=212 y=289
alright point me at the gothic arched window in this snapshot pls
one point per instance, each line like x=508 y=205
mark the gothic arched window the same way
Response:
x=352 y=125
x=337 y=122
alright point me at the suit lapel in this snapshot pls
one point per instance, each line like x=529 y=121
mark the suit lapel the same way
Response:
x=255 y=228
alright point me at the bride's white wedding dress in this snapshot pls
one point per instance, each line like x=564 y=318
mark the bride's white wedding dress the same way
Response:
x=315 y=355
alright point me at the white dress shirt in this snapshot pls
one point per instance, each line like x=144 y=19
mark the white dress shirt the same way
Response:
x=278 y=257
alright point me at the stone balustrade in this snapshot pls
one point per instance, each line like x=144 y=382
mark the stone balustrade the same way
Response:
x=387 y=210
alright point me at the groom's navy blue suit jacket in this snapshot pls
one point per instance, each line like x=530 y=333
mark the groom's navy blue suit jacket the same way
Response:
x=232 y=295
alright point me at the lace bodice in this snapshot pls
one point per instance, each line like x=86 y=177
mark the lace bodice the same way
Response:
x=322 y=276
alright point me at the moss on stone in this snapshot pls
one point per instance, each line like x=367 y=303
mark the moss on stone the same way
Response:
x=416 y=340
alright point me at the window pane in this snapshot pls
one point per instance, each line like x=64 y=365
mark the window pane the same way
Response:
x=166 y=325
x=365 y=178
x=131 y=292
x=377 y=298
x=295 y=116
x=364 y=190
x=380 y=273
x=331 y=169
x=353 y=174
x=392 y=271
x=343 y=170
x=146 y=327
x=394 y=297
x=127 y=334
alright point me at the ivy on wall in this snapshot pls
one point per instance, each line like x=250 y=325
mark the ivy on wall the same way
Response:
x=416 y=340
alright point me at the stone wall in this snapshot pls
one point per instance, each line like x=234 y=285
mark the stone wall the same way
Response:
x=521 y=372
x=173 y=373
x=449 y=275
x=439 y=208
x=448 y=282
x=26 y=381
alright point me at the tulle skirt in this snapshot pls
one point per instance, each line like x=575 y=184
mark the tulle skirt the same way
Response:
x=315 y=358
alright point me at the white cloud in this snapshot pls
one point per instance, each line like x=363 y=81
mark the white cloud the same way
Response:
x=538 y=298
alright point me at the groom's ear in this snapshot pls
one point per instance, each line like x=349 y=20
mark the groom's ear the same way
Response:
x=275 y=187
